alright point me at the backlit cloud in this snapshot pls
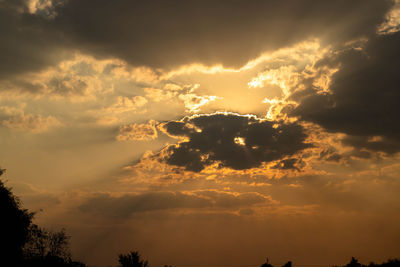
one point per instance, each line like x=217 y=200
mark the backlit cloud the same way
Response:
x=231 y=140
x=187 y=37
x=362 y=96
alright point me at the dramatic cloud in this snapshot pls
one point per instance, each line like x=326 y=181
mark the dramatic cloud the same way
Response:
x=231 y=140
x=28 y=42
x=126 y=205
x=362 y=100
x=209 y=31
x=156 y=33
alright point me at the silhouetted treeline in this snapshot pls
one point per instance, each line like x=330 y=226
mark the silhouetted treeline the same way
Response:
x=390 y=263
x=132 y=259
x=25 y=244
x=14 y=226
x=353 y=263
x=267 y=264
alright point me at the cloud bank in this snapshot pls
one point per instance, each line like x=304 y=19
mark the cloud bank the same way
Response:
x=362 y=100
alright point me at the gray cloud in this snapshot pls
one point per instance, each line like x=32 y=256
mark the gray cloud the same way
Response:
x=169 y=33
x=162 y=34
x=233 y=141
x=208 y=31
x=363 y=97
x=28 y=42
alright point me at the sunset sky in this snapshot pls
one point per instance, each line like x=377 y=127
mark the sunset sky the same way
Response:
x=206 y=132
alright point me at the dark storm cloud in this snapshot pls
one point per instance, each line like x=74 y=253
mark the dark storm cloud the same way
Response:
x=27 y=43
x=126 y=205
x=164 y=33
x=169 y=33
x=364 y=97
x=233 y=141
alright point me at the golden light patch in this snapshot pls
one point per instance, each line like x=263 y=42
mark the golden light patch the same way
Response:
x=255 y=83
x=272 y=102
x=194 y=102
x=285 y=77
x=303 y=51
x=323 y=82
x=38 y=6
x=392 y=22
x=239 y=141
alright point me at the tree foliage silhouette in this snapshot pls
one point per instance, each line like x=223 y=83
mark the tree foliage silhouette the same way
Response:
x=132 y=259
x=14 y=226
x=267 y=264
x=24 y=244
x=47 y=244
x=353 y=263
x=390 y=263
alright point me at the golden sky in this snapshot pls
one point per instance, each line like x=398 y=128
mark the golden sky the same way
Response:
x=206 y=133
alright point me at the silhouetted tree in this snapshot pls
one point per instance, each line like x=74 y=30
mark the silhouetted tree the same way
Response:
x=24 y=244
x=287 y=264
x=353 y=263
x=14 y=226
x=267 y=264
x=132 y=259
x=390 y=263
x=42 y=243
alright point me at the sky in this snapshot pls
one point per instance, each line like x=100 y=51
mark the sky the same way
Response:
x=206 y=133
